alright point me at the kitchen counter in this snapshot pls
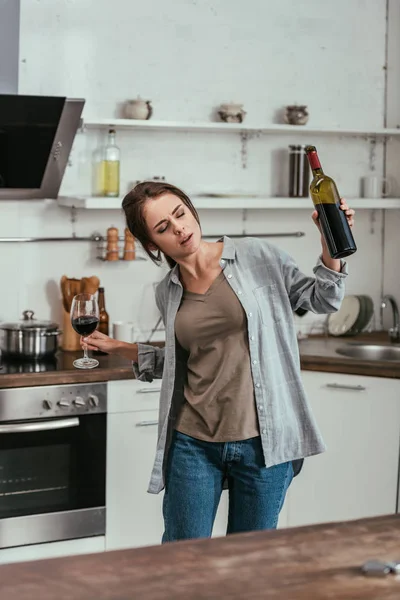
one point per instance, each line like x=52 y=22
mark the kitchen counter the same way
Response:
x=61 y=370
x=318 y=353
x=317 y=562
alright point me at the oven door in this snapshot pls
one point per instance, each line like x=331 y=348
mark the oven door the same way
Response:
x=52 y=479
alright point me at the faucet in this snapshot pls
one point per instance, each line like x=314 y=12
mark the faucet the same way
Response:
x=394 y=332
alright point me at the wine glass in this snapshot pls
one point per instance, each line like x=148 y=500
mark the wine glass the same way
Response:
x=84 y=319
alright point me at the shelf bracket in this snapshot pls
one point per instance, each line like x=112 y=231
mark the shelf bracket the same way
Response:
x=73 y=213
x=244 y=221
x=372 y=221
x=372 y=153
x=245 y=136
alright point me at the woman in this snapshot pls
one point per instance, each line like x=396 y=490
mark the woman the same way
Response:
x=233 y=411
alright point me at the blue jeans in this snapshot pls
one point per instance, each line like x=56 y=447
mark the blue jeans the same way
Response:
x=195 y=473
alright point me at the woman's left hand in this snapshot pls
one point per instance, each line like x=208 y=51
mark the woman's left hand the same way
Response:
x=349 y=212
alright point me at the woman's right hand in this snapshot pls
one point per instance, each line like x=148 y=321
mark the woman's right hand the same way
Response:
x=102 y=342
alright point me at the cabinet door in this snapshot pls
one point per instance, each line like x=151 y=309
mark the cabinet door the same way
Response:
x=356 y=477
x=131 y=395
x=134 y=517
x=221 y=518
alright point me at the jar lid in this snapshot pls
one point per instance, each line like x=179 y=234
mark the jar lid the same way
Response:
x=29 y=323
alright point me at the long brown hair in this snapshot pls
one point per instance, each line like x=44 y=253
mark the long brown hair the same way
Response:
x=133 y=206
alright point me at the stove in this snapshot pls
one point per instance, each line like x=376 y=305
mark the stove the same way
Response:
x=52 y=463
x=61 y=361
x=9 y=367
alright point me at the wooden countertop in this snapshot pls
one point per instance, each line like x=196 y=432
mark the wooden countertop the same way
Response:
x=305 y=563
x=317 y=354
x=110 y=367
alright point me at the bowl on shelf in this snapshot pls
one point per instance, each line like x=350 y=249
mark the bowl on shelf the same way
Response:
x=231 y=113
x=138 y=109
x=296 y=114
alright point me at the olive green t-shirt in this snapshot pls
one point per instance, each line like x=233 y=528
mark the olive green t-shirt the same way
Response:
x=219 y=394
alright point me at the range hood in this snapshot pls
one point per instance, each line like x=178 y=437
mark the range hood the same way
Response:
x=36 y=137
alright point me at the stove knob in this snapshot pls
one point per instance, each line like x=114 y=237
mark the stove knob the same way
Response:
x=47 y=404
x=93 y=400
x=64 y=403
x=79 y=401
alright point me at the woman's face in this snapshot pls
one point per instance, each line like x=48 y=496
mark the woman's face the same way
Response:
x=172 y=227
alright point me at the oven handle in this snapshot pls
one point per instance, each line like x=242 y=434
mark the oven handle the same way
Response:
x=39 y=426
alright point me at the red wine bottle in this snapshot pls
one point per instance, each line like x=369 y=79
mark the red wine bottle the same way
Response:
x=103 y=317
x=325 y=196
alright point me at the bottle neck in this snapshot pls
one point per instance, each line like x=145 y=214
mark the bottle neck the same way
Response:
x=101 y=301
x=314 y=163
x=111 y=139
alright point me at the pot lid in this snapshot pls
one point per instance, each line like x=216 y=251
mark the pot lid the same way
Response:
x=29 y=323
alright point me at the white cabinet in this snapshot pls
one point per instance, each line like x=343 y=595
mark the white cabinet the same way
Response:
x=356 y=477
x=134 y=517
x=221 y=518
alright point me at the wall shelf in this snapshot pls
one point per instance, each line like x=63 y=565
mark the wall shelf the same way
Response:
x=234 y=203
x=221 y=127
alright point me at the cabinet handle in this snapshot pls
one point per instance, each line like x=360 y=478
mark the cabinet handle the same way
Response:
x=148 y=391
x=146 y=423
x=338 y=386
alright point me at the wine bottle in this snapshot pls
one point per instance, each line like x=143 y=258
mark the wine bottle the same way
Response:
x=325 y=196
x=103 y=326
x=103 y=314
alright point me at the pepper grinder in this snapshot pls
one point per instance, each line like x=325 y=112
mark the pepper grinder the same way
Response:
x=112 y=244
x=129 y=246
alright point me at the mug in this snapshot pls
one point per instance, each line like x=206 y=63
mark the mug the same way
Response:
x=375 y=186
x=123 y=331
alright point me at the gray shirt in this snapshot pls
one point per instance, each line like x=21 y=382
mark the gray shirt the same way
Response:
x=270 y=287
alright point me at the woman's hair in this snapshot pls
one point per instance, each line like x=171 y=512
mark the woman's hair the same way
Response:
x=133 y=206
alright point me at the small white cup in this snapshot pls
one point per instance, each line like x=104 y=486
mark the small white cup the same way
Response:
x=374 y=186
x=123 y=331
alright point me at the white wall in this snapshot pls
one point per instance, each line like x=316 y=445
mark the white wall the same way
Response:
x=9 y=46
x=392 y=220
x=188 y=57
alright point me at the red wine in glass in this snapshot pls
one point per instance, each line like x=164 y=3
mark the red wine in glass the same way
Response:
x=85 y=325
x=85 y=319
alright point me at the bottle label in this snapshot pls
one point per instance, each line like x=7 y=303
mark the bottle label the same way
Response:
x=314 y=160
x=111 y=177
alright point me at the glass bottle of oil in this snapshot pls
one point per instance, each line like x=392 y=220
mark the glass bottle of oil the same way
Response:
x=111 y=164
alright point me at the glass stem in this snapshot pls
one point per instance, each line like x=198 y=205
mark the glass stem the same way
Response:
x=85 y=354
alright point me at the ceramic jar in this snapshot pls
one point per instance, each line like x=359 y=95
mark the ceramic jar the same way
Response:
x=138 y=109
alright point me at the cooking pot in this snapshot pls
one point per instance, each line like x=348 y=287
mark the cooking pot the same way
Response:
x=29 y=338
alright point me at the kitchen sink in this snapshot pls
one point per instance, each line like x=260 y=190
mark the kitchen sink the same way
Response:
x=370 y=351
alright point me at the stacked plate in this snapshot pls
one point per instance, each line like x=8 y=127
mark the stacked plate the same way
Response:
x=354 y=315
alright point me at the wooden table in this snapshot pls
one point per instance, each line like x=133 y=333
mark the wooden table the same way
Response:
x=305 y=563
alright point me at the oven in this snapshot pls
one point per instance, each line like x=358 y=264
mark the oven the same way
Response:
x=52 y=463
